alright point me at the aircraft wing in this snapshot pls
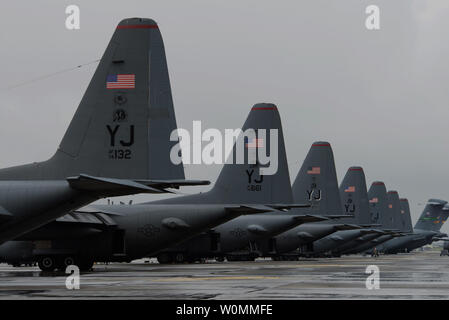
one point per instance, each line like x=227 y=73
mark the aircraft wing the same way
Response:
x=283 y=206
x=110 y=187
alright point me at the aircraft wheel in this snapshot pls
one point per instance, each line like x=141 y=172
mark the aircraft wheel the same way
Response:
x=47 y=263
x=66 y=261
x=164 y=258
x=179 y=258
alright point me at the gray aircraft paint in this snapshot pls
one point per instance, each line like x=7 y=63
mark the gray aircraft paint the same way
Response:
x=322 y=189
x=393 y=204
x=115 y=133
x=377 y=195
x=232 y=185
x=424 y=230
x=354 y=198
x=241 y=183
x=406 y=218
x=378 y=203
x=150 y=227
x=316 y=180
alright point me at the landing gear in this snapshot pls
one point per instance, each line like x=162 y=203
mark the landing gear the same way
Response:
x=65 y=261
x=51 y=263
x=47 y=263
x=164 y=258
x=179 y=258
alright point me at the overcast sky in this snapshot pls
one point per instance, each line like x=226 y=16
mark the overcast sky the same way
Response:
x=379 y=97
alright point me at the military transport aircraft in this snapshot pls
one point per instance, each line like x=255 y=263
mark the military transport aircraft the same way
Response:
x=350 y=247
x=316 y=182
x=127 y=232
x=247 y=237
x=380 y=215
x=117 y=142
x=426 y=230
x=354 y=201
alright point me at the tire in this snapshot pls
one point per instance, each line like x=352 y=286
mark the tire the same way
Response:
x=164 y=258
x=219 y=259
x=179 y=258
x=65 y=261
x=47 y=263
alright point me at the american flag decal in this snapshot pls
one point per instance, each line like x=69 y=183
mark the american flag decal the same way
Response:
x=350 y=189
x=314 y=170
x=121 y=81
x=255 y=143
x=374 y=200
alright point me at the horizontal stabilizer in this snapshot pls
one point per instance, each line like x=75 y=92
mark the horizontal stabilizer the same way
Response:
x=436 y=202
x=338 y=216
x=248 y=209
x=174 y=184
x=5 y=215
x=441 y=239
x=110 y=187
x=370 y=225
x=346 y=227
x=282 y=206
x=309 y=218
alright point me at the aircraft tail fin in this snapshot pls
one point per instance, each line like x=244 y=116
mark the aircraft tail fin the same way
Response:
x=355 y=197
x=377 y=195
x=123 y=123
x=433 y=215
x=316 y=181
x=394 y=206
x=405 y=215
x=250 y=178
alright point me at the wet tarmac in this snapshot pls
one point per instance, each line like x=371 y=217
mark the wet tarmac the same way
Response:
x=419 y=275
